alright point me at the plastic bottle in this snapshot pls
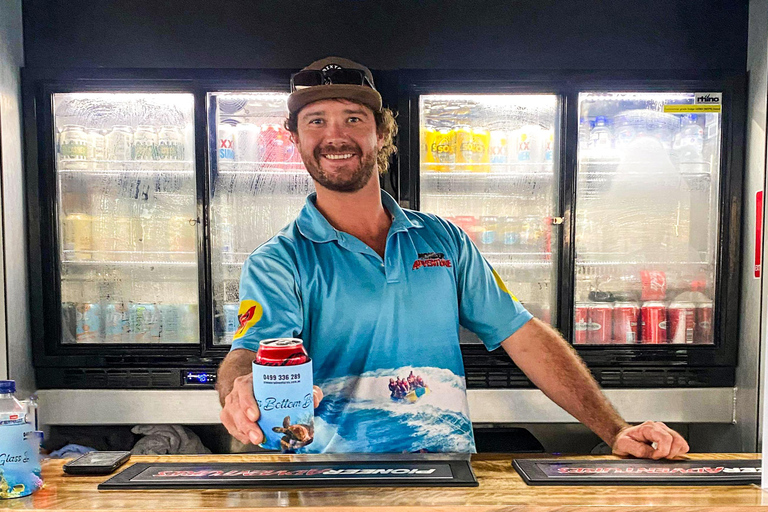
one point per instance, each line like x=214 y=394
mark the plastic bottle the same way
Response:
x=601 y=134
x=690 y=141
x=20 y=446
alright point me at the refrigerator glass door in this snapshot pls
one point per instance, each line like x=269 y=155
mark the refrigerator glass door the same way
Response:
x=489 y=164
x=646 y=226
x=126 y=205
x=258 y=185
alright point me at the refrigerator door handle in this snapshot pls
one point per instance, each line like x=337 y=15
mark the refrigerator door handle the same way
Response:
x=558 y=220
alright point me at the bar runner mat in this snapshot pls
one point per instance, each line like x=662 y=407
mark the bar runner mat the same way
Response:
x=638 y=472
x=161 y=475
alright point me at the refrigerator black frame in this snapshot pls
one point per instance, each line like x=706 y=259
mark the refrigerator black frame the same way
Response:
x=399 y=87
x=699 y=365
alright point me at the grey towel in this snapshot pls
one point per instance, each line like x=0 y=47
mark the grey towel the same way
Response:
x=166 y=439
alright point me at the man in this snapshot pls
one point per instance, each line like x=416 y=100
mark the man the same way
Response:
x=376 y=291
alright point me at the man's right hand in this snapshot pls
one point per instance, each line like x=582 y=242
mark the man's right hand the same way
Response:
x=240 y=411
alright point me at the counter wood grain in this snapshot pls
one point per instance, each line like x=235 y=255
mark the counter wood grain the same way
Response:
x=501 y=489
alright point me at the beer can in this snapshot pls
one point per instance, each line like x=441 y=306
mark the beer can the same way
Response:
x=170 y=144
x=226 y=138
x=282 y=386
x=88 y=328
x=247 y=143
x=499 y=149
x=465 y=152
x=703 y=330
x=145 y=143
x=481 y=142
x=144 y=323
x=580 y=323
x=625 y=317
x=489 y=233
x=116 y=324
x=119 y=144
x=653 y=323
x=77 y=236
x=600 y=323
x=442 y=146
x=681 y=318
x=73 y=147
x=97 y=148
x=188 y=323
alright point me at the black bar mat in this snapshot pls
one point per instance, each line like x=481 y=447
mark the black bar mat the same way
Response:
x=360 y=473
x=638 y=472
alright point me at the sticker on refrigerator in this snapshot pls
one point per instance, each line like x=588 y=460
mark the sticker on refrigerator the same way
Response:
x=702 y=102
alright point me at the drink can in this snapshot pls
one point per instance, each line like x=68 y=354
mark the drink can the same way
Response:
x=523 y=141
x=145 y=143
x=88 y=328
x=481 y=142
x=510 y=232
x=273 y=144
x=489 y=233
x=465 y=152
x=682 y=322
x=653 y=323
x=170 y=143
x=68 y=322
x=549 y=145
x=116 y=323
x=499 y=150
x=73 y=147
x=247 y=143
x=226 y=138
x=97 y=147
x=443 y=149
x=469 y=225
x=282 y=385
x=144 y=322
x=625 y=322
x=580 y=323
x=600 y=329
x=119 y=143
x=703 y=330
x=77 y=236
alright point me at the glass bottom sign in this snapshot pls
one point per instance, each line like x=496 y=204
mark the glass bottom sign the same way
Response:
x=441 y=473
x=638 y=472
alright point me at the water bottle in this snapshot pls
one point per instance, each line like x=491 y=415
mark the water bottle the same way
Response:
x=19 y=447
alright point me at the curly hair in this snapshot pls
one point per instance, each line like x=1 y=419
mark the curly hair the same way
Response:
x=385 y=126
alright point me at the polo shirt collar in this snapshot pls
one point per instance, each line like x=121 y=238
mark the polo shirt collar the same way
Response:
x=315 y=227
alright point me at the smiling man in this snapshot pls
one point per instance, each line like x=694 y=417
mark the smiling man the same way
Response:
x=378 y=293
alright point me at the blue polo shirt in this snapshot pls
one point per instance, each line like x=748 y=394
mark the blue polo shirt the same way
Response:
x=383 y=334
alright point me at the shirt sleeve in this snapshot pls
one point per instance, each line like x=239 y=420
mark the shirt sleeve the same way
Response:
x=270 y=305
x=486 y=306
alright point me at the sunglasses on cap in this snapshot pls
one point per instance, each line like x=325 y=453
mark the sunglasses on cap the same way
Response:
x=312 y=78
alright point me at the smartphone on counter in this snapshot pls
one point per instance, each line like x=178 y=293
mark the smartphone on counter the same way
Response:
x=96 y=463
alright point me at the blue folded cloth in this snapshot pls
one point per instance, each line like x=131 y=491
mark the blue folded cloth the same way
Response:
x=70 y=450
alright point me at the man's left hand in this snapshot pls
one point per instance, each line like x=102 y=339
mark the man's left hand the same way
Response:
x=639 y=441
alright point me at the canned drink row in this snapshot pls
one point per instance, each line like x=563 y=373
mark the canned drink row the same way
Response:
x=252 y=143
x=505 y=233
x=653 y=322
x=134 y=322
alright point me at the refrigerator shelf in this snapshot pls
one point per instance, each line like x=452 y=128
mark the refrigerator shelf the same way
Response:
x=640 y=263
x=498 y=172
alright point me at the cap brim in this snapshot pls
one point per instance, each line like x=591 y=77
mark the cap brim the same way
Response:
x=359 y=93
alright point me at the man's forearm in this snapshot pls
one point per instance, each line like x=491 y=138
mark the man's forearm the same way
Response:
x=555 y=368
x=237 y=363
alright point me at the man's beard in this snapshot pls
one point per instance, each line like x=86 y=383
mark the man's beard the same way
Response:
x=351 y=183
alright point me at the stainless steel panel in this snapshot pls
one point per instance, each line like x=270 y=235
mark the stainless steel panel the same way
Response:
x=104 y=407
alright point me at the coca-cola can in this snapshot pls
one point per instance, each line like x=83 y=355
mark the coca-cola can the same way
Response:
x=600 y=329
x=703 y=330
x=653 y=320
x=281 y=352
x=625 y=322
x=682 y=322
x=580 y=323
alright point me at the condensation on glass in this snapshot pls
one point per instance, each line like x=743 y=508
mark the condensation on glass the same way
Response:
x=488 y=164
x=258 y=186
x=646 y=219
x=127 y=228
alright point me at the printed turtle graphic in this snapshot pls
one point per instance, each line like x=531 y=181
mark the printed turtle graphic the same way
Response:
x=296 y=436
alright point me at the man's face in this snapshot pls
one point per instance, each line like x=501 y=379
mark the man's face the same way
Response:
x=338 y=143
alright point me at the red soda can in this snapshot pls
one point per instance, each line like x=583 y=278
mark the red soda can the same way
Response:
x=653 y=319
x=703 y=331
x=600 y=323
x=580 y=323
x=281 y=352
x=625 y=322
x=682 y=322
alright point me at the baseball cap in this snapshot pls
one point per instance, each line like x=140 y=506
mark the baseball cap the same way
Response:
x=333 y=77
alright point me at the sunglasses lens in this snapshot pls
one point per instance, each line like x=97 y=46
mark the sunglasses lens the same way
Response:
x=307 y=79
x=347 y=77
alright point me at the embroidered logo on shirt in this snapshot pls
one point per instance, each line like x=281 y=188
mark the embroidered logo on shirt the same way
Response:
x=431 y=259
x=249 y=313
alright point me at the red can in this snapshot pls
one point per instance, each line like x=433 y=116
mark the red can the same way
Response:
x=625 y=317
x=653 y=320
x=703 y=330
x=580 y=323
x=682 y=322
x=281 y=352
x=600 y=323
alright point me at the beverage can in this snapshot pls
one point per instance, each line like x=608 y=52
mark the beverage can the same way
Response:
x=580 y=323
x=703 y=330
x=247 y=143
x=600 y=329
x=549 y=145
x=119 y=144
x=682 y=322
x=509 y=232
x=226 y=138
x=489 y=233
x=73 y=147
x=68 y=322
x=77 y=237
x=145 y=143
x=481 y=141
x=273 y=144
x=282 y=386
x=465 y=152
x=442 y=148
x=88 y=328
x=499 y=149
x=625 y=322
x=144 y=322
x=170 y=144
x=170 y=322
x=469 y=225
x=116 y=324
x=653 y=323
x=97 y=148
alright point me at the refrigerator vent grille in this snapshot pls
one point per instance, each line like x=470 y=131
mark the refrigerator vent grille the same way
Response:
x=120 y=378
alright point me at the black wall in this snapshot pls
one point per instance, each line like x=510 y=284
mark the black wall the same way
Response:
x=429 y=34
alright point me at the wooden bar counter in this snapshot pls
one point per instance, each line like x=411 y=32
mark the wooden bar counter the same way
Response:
x=501 y=489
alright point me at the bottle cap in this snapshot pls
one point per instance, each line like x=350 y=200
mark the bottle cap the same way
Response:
x=7 y=386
